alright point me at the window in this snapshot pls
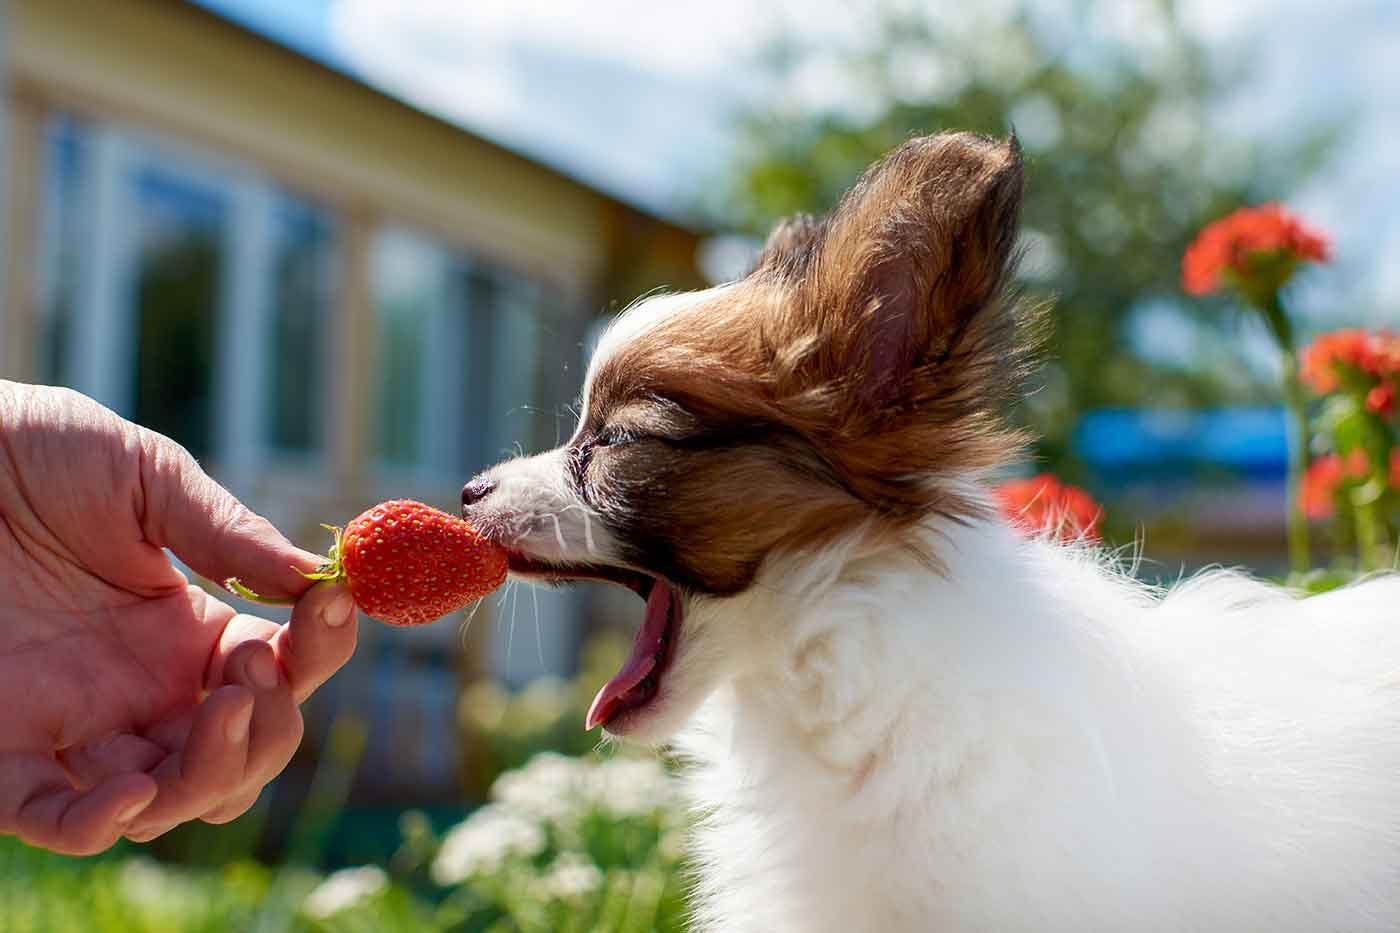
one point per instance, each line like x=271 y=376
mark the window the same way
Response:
x=514 y=398
x=411 y=305
x=178 y=282
x=459 y=358
x=300 y=299
x=61 y=247
x=184 y=292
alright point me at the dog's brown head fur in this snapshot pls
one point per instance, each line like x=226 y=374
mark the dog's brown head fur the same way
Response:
x=861 y=362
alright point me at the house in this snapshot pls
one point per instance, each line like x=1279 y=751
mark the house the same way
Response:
x=329 y=296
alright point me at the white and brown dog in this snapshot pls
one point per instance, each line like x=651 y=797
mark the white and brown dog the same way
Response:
x=901 y=714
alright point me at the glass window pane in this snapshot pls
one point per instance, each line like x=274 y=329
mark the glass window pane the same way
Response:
x=60 y=258
x=515 y=377
x=409 y=291
x=482 y=296
x=180 y=262
x=297 y=333
x=500 y=352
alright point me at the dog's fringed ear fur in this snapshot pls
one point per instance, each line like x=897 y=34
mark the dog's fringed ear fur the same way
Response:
x=898 y=336
x=915 y=255
x=790 y=247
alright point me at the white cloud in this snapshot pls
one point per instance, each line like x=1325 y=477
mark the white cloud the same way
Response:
x=693 y=40
x=631 y=95
x=636 y=96
x=430 y=55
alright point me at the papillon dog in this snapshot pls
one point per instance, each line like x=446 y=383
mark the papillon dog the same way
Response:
x=898 y=712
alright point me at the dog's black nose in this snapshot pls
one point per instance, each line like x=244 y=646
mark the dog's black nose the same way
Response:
x=475 y=491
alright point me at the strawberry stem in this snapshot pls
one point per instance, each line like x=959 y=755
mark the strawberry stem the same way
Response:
x=235 y=587
x=332 y=569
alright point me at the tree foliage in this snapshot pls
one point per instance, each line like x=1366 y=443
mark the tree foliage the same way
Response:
x=1115 y=103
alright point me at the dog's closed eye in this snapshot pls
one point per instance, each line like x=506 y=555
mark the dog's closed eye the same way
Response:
x=616 y=437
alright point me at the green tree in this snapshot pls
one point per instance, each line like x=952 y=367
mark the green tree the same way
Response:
x=1112 y=102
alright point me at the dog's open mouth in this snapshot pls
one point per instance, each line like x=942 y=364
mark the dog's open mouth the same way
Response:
x=639 y=680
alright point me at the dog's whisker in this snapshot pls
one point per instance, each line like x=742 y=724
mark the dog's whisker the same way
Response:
x=558 y=532
x=539 y=633
x=510 y=630
x=467 y=622
x=588 y=534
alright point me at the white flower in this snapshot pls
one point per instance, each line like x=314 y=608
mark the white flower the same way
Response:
x=344 y=888
x=145 y=881
x=482 y=842
x=632 y=787
x=572 y=875
x=546 y=788
x=553 y=787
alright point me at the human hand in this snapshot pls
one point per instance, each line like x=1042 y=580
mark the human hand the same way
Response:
x=134 y=701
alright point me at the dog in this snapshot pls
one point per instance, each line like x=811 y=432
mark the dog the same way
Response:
x=897 y=711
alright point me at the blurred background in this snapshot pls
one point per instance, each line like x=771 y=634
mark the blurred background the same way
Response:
x=346 y=250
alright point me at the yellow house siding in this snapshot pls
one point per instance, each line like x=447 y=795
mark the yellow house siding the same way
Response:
x=180 y=70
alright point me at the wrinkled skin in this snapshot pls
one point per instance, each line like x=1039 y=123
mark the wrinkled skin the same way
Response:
x=134 y=701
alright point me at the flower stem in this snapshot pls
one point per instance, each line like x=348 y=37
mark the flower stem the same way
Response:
x=1299 y=556
x=1368 y=531
x=1298 y=545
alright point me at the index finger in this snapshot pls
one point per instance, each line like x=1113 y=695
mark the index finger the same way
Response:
x=210 y=530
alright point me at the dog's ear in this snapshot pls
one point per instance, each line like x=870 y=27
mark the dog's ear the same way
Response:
x=910 y=267
x=789 y=249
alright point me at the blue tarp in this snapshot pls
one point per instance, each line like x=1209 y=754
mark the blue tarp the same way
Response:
x=1119 y=444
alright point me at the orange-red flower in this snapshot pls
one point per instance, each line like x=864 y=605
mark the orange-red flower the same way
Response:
x=1381 y=400
x=1231 y=243
x=1318 y=493
x=1044 y=504
x=1370 y=353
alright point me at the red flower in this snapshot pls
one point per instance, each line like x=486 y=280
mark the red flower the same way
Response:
x=1371 y=353
x=1044 y=504
x=1232 y=242
x=1327 y=473
x=1319 y=488
x=1381 y=400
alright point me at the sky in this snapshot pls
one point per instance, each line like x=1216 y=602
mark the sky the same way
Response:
x=637 y=98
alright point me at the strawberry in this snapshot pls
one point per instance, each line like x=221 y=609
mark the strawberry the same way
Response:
x=408 y=563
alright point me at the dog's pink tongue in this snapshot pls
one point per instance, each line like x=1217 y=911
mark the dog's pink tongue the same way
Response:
x=646 y=651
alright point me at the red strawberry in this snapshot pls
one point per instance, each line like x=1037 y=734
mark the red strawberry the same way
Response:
x=408 y=563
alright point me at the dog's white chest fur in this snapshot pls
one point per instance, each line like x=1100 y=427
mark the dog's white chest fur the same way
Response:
x=1027 y=742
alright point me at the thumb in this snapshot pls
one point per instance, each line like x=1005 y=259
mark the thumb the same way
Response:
x=40 y=806
x=210 y=530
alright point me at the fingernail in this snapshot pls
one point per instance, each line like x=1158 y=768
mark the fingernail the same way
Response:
x=238 y=726
x=339 y=610
x=132 y=812
x=262 y=670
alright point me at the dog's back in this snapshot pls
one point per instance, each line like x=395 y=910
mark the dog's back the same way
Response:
x=1052 y=747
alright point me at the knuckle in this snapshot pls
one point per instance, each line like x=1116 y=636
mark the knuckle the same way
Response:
x=280 y=748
